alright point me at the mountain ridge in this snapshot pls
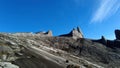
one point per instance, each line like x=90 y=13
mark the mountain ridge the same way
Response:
x=45 y=51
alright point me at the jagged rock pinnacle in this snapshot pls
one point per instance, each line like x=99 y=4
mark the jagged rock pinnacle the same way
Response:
x=75 y=33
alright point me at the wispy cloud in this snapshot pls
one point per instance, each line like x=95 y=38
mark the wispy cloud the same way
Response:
x=105 y=10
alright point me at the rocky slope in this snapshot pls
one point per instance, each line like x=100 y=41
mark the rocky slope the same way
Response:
x=27 y=50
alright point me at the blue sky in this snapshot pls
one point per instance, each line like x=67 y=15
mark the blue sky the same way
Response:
x=95 y=17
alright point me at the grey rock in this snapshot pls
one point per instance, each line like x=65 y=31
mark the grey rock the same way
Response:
x=49 y=33
x=5 y=52
x=7 y=65
x=103 y=40
x=117 y=43
x=5 y=49
x=117 y=34
x=65 y=47
x=75 y=33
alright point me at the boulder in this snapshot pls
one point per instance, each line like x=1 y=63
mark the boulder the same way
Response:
x=117 y=34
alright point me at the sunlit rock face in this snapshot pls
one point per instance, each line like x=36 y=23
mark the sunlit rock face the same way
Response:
x=7 y=65
x=31 y=34
x=34 y=50
x=49 y=33
x=75 y=33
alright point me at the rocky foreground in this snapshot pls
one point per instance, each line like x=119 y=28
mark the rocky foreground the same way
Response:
x=42 y=50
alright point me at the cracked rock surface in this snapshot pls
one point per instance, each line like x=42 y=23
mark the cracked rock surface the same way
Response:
x=35 y=51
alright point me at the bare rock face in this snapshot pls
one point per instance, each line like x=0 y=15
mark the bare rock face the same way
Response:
x=33 y=51
x=75 y=33
x=103 y=40
x=114 y=43
x=117 y=43
x=49 y=33
x=117 y=34
x=5 y=53
x=7 y=65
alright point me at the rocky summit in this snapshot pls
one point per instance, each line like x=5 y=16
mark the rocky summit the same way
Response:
x=43 y=50
x=75 y=33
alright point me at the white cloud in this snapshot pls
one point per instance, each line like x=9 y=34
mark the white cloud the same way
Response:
x=106 y=9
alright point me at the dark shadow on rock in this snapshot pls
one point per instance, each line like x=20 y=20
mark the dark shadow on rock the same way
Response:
x=102 y=40
x=117 y=34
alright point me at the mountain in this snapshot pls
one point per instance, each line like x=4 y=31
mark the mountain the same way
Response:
x=42 y=50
